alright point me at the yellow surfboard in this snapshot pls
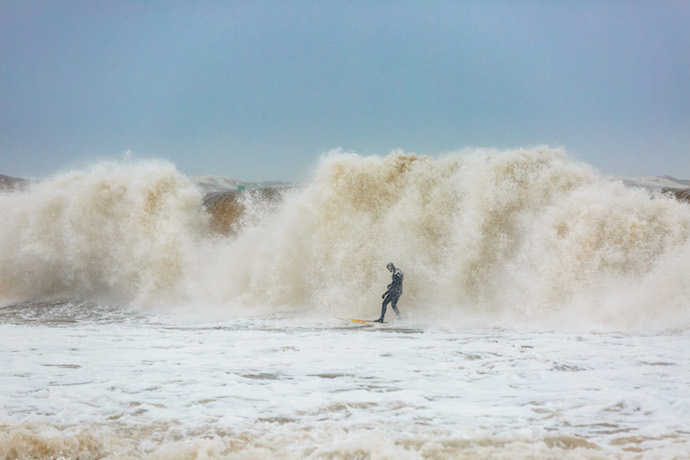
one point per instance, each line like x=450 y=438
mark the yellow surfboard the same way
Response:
x=361 y=321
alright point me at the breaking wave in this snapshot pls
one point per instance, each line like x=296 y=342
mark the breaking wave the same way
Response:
x=512 y=238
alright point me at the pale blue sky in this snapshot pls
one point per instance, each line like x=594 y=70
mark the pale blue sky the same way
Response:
x=258 y=90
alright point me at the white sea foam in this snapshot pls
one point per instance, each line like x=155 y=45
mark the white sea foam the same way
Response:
x=122 y=386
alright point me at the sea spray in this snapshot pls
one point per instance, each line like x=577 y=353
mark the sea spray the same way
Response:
x=485 y=237
x=517 y=238
x=117 y=232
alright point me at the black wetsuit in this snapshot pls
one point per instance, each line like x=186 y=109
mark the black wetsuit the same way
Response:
x=393 y=293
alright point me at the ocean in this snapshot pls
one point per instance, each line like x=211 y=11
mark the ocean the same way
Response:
x=545 y=313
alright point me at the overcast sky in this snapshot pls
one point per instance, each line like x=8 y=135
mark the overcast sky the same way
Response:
x=258 y=90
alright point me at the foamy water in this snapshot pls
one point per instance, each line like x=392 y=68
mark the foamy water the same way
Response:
x=97 y=382
x=546 y=314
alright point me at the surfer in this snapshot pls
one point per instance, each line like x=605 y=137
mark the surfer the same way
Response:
x=393 y=293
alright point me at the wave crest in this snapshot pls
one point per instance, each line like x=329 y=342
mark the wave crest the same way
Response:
x=484 y=237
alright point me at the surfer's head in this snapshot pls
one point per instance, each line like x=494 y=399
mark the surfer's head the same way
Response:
x=390 y=266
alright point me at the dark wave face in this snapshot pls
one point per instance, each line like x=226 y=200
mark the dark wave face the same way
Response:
x=227 y=208
x=681 y=194
x=8 y=183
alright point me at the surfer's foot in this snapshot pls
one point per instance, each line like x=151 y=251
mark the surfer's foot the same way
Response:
x=380 y=320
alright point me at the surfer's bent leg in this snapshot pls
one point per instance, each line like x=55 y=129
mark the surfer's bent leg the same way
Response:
x=394 y=304
x=391 y=298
